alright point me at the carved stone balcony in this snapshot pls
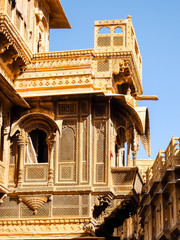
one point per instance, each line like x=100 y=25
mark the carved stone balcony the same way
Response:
x=118 y=50
x=126 y=181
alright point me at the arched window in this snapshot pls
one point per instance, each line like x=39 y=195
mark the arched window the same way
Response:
x=36 y=137
x=37 y=148
x=104 y=30
x=120 y=147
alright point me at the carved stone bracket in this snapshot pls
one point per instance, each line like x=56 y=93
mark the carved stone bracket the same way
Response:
x=34 y=202
x=2 y=197
x=101 y=203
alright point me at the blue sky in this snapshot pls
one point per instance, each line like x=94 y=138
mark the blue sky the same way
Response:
x=157 y=27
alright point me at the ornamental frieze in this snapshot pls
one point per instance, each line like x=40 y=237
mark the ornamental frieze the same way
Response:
x=59 y=63
x=50 y=74
x=53 y=82
x=40 y=226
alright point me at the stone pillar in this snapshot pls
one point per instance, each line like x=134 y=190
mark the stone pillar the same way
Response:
x=51 y=146
x=134 y=153
x=128 y=154
x=21 y=144
x=129 y=140
x=135 y=145
x=120 y=155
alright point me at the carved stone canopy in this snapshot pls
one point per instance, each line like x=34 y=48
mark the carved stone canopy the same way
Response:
x=35 y=120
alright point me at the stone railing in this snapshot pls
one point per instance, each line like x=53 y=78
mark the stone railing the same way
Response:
x=158 y=167
x=165 y=160
x=172 y=152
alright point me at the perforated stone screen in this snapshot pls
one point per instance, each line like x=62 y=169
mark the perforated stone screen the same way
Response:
x=102 y=65
x=104 y=41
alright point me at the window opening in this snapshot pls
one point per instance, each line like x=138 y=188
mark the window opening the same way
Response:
x=118 y=30
x=39 y=45
x=37 y=148
x=104 y=30
x=120 y=147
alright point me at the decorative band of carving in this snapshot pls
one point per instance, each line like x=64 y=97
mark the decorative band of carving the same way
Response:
x=60 y=63
x=45 y=221
x=53 y=82
x=64 y=53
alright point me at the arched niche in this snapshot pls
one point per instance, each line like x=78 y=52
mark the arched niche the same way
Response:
x=104 y=30
x=28 y=129
x=32 y=121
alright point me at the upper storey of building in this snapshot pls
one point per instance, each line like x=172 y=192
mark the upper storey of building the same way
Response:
x=29 y=21
x=116 y=46
x=24 y=30
x=113 y=67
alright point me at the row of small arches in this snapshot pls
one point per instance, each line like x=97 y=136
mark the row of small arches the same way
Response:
x=106 y=30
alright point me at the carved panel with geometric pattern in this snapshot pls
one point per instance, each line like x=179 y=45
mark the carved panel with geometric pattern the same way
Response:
x=104 y=41
x=9 y=208
x=70 y=205
x=36 y=172
x=100 y=150
x=103 y=65
x=67 y=158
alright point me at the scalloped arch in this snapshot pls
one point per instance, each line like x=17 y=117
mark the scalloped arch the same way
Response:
x=33 y=121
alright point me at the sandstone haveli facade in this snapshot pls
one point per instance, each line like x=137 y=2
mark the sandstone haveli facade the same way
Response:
x=70 y=132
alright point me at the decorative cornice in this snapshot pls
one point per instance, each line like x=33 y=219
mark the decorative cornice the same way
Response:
x=60 y=54
x=45 y=83
x=17 y=222
x=60 y=63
